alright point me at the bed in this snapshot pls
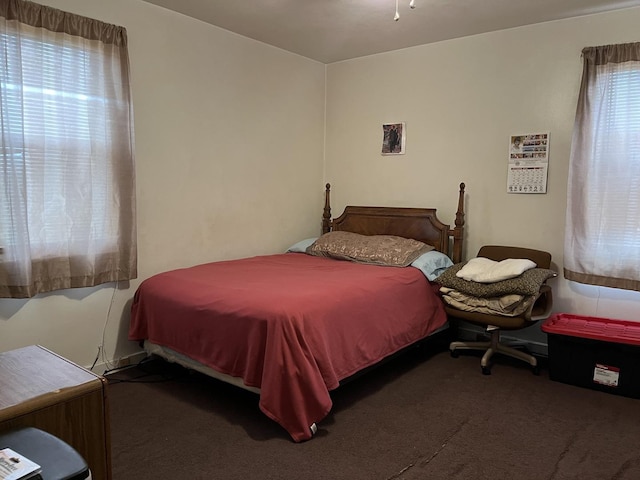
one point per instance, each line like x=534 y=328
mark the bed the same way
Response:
x=293 y=326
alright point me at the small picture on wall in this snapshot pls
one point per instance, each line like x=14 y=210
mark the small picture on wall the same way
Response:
x=393 y=138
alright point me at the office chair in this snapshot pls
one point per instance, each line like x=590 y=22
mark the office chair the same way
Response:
x=494 y=324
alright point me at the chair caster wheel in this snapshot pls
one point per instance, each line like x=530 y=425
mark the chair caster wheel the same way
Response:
x=486 y=371
x=454 y=354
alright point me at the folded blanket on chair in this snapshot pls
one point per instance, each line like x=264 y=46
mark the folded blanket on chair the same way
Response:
x=510 y=305
x=528 y=283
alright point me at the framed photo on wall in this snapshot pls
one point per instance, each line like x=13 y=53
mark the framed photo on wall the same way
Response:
x=394 y=137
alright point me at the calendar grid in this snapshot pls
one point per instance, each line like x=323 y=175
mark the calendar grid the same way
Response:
x=528 y=163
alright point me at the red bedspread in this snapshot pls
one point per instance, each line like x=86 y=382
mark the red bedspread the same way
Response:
x=292 y=324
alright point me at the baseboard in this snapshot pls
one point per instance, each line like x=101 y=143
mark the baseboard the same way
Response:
x=129 y=360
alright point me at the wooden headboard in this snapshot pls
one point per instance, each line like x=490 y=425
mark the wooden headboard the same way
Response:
x=417 y=223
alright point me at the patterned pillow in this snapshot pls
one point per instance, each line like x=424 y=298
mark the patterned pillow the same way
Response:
x=388 y=250
x=528 y=283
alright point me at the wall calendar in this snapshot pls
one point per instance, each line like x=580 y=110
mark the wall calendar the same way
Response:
x=528 y=163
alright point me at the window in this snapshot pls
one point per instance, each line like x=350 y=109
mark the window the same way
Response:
x=67 y=197
x=602 y=241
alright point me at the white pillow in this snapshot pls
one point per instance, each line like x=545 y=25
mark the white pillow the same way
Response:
x=484 y=270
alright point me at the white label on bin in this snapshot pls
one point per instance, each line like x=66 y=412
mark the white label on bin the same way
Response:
x=606 y=375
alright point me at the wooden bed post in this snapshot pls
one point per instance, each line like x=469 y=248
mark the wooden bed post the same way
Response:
x=457 y=232
x=326 y=215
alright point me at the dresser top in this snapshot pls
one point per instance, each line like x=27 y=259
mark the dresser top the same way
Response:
x=35 y=374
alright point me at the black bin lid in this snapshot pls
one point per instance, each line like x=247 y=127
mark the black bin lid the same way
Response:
x=59 y=461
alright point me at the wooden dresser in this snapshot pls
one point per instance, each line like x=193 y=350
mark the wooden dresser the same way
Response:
x=41 y=389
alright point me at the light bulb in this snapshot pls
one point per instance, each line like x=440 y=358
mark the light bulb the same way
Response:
x=397 y=15
x=412 y=4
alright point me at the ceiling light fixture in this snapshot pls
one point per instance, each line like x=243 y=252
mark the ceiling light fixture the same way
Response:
x=412 y=4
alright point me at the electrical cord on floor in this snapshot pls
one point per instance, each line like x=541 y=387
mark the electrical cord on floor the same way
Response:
x=152 y=370
x=117 y=369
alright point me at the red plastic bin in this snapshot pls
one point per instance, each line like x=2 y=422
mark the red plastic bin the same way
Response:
x=598 y=353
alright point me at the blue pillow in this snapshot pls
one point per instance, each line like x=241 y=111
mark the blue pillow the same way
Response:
x=302 y=245
x=432 y=264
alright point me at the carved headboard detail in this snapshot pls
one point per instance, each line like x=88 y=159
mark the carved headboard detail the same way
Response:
x=417 y=223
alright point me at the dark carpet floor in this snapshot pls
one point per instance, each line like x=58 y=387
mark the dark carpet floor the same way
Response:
x=421 y=416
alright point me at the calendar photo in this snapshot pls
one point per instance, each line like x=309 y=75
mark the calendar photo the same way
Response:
x=528 y=163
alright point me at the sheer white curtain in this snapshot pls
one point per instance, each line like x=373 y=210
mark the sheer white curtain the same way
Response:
x=602 y=238
x=67 y=191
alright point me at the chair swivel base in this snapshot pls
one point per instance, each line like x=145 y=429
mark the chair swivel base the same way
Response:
x=494 y=346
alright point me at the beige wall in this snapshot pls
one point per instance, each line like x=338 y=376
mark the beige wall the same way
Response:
x=229 y=150
x=461 y=100
x=230 y=146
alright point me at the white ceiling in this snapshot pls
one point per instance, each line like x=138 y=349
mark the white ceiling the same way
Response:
x=333 y=30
